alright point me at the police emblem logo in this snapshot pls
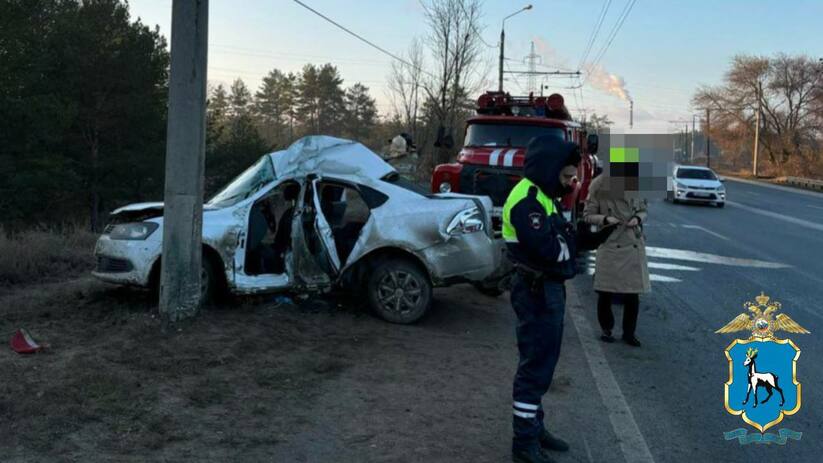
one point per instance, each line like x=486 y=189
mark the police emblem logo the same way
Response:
x=536 y=220
x=762 y=388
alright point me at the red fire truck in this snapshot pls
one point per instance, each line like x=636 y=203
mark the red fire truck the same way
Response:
x=494 y=149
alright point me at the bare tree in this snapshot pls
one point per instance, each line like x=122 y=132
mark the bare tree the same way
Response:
x=405 y=87
x=456 y=50
x=788 y=90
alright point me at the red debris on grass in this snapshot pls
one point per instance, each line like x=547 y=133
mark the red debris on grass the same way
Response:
x=23 y=343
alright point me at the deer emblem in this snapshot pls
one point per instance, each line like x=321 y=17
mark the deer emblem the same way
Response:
x=767 y=380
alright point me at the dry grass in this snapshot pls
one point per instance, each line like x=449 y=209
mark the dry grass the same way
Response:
x=37 y=256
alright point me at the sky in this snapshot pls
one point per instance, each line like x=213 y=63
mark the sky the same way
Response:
x=663 y=52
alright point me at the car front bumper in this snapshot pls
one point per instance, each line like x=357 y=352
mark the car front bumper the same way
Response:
x=699 y=196
x=127 y=262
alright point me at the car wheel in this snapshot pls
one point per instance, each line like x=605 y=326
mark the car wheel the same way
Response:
x=721 y=204
x=398 y=291
x=208 y=281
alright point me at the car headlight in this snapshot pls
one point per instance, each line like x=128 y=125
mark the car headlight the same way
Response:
x=445 y=187
x=132 y=231
x=467 y=221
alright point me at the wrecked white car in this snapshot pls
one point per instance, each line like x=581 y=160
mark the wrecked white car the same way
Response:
x=324 y=213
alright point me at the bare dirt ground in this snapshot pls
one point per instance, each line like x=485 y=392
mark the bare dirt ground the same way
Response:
x=251 y=381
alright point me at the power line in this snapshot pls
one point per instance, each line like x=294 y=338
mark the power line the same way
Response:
x=603 y=10
x=471 y=24
x=620 y=20
x=514 y=76
x=362 y=39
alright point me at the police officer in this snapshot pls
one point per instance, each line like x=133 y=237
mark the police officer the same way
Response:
x=541 y=245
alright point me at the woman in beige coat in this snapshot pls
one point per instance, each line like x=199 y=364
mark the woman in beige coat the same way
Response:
x=621 y=266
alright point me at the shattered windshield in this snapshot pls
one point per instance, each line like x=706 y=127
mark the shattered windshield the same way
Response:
x=246 y=184
x=507 y=134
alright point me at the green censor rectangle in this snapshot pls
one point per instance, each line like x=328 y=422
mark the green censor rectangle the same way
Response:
x=624 y=154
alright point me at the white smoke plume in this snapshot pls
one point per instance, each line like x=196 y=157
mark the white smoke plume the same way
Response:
x=598 y=77
x=612 y=84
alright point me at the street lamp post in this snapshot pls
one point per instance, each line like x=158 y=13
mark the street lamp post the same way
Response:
x=503 y=41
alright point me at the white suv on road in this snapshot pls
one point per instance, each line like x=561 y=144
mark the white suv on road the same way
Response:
x=697 y=184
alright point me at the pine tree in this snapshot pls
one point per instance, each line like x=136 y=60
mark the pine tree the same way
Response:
x=321 y=100
x=240 y=99
x=361 y=112
x=274 y=106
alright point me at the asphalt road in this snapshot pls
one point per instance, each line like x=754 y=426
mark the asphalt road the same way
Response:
x=705 y=263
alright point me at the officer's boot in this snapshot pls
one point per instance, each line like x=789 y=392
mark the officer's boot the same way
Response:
x=532 y=455
x=550 y=442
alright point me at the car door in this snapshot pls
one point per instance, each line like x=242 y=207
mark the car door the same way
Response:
x=245 y=283
x=323 y=230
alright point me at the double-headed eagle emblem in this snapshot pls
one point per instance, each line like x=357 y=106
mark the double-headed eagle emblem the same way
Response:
x=761 y=322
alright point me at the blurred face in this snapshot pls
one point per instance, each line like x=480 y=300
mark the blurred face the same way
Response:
x=568 y=175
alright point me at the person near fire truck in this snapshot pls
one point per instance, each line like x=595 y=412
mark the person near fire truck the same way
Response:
x=540 y=243
x=621 y=268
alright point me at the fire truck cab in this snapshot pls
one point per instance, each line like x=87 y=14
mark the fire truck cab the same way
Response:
x=494 y=149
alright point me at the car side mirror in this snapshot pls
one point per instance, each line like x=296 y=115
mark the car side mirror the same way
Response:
x=722 y=179
x=592 y=142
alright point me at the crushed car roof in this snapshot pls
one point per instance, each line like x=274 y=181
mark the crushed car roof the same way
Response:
x=321 y=154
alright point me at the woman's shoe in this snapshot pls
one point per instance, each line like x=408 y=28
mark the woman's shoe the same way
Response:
x=607 y=336
x=632 y=341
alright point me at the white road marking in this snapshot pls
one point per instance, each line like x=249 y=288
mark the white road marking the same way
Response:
x=508 y=159
x=588 y=449
x=816 y=207
x=663 y=266
x=663 y=278
x=775 y=215
x=494 y=157
x=632 y=443
x=698 y=227
x=652 y=276
x=681 y=254
x=747 y=193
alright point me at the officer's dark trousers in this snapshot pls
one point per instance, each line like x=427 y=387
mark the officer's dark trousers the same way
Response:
x=539 y=334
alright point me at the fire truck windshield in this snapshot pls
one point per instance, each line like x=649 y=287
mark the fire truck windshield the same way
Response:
x=507 y=134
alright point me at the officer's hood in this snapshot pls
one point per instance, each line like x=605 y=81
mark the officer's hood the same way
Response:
x=545 y=158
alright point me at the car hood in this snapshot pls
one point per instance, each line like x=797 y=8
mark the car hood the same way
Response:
x=693 y=182
x=142 y=211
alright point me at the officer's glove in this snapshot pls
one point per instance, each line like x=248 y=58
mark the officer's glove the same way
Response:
x=564 y=254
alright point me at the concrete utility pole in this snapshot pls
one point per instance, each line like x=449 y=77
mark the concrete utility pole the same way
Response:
x=500 y=65
x=686 y=141
x=757 y=129
x=631 y=114
x=503 y=43
x=691 y=153
x=708 y=140
x=185 y=156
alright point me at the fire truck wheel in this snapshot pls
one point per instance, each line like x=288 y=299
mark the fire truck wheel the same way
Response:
x=399 y=291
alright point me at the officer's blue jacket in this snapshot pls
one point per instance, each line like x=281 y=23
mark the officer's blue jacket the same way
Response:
x=535 y=231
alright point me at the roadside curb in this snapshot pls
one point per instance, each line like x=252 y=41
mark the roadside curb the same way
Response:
x=766 y=184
